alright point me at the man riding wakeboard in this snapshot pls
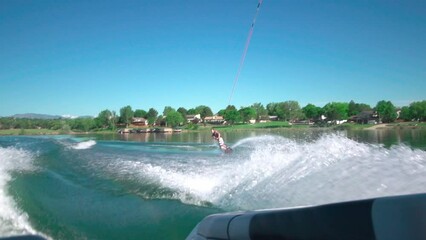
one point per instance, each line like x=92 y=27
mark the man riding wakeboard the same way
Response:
x=216 y=135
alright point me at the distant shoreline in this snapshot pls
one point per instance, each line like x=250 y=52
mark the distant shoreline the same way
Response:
x=382 y=126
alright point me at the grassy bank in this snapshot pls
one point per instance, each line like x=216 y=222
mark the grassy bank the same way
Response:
x=398 y=125
x=236 y=127
x=28 y=132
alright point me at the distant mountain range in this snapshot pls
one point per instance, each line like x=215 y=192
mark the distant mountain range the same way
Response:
x=46 y=116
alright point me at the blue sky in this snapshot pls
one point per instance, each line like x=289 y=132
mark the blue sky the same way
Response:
x=81 y=57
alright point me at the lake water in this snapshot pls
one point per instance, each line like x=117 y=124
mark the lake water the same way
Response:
x=159 y=186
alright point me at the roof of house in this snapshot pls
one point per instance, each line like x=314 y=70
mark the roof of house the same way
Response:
x=214 y=118
x=138 y=119
x=190 y=116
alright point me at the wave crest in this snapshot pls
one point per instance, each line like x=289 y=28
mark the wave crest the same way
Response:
x=13 y=221
x=84 y=145
x=273 y=171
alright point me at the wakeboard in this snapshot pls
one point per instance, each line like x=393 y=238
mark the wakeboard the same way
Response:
x=226 y=149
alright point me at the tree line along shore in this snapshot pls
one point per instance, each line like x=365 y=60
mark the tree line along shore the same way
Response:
x=287 y=114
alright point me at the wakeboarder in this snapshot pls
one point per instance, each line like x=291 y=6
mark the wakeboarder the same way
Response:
x=216 y=136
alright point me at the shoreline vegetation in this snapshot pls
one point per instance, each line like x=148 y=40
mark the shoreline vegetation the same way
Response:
x=284 y=115
x=236 y=127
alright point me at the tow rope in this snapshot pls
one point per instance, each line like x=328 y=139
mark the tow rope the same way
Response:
x=243 y=57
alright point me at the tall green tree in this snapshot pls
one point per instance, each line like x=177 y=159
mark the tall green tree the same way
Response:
x=221 y=112
x=261 y=111
x=204 y=111
x=247 y=114
x=151 y=116
x=405 y=114
x=288 y=110
x=104 y=119
x=386 y=111
x=83 y=124
x=23 y=123
x=59 y=124
x=126 y=115
x=336 y=111
x=231 y=114
x=272 y=109
x=312 y=112
x=174 y=118
x=292 y=110
x=277 y=109
x=357 y=108
x=140 y=113
x=183 y=111
x=418 y=110
x=8 y=123
x=191 y=111
x=167 y=109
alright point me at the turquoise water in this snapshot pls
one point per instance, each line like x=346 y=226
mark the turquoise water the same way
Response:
x=159 y=186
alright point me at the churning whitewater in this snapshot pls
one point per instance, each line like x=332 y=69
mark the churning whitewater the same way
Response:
x=262 y=172
x=12 y=219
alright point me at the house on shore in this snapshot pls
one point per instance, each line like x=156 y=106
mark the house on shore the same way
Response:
x=140 y=122
x=264 y=119
x=214 y=119
x=365 y=117
x=195 y=118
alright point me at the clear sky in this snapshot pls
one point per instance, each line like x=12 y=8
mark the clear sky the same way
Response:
x=81 y=57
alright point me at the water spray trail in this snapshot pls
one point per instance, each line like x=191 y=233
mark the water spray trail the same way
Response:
x=243 y=57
